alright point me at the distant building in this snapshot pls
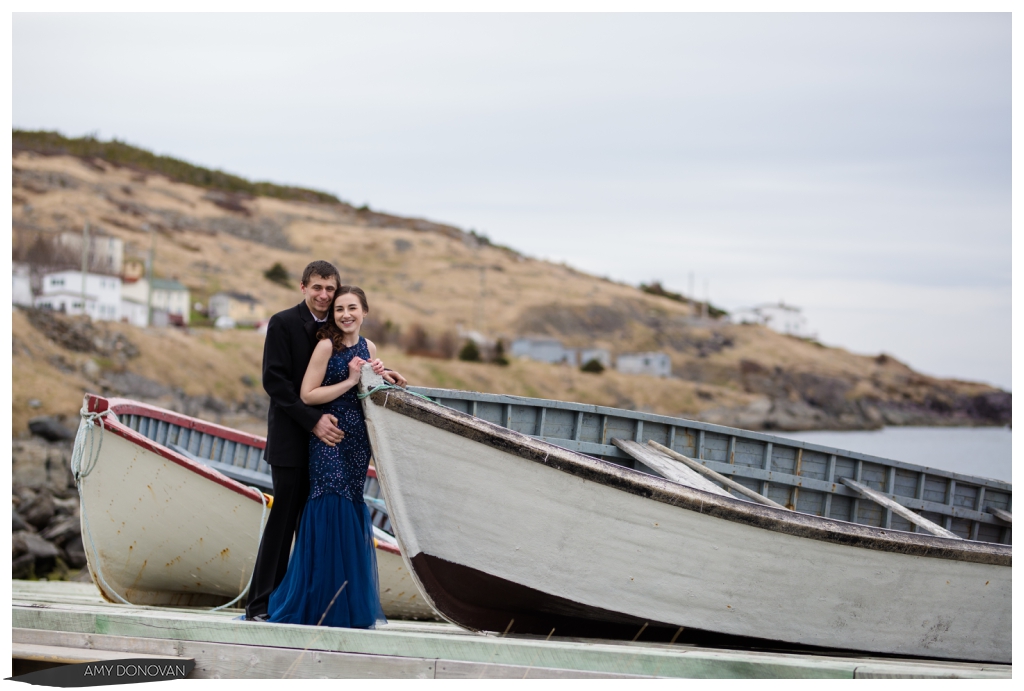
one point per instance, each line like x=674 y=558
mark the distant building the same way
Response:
x=62 y=291
x=599 y=354
x=106 y=253
x=169 y=296
x=543 y=350
x=134 y=312
x=780 y=317
x=21 y=293
x=654 y=364
x=243 y=308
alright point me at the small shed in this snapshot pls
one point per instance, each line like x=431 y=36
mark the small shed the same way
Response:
x=543 y=350
x=655 y=364
x=242 y=307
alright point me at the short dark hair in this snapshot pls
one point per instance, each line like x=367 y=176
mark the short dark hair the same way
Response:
x=322 y=269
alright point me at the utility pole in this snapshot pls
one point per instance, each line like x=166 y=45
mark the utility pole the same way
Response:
x=149 y=276
x=85 y=260
x=483 y=291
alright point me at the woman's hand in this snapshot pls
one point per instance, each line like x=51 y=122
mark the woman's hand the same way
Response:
x=377 y=365
x=355 y=368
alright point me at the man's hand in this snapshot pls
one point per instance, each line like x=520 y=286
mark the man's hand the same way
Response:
x=327 y=431
x=393 y=377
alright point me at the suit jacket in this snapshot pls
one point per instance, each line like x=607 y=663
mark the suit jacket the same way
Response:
x=291 y=338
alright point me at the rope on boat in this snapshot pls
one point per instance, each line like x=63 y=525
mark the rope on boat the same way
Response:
x=81 y=470
x=82 y=464
x=384 y=386
x=263 y=524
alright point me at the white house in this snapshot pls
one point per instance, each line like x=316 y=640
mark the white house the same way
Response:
x=241 y=307
x=655 y=364
x=543 y=350
x=169 y=296
x=21 y=293
x=783 y=318
x=62 y=291
x=134 y=312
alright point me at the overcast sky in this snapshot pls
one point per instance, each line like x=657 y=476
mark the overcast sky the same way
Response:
x=855 y=165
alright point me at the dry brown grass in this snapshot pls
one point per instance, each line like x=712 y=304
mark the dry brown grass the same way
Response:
x=411 y=277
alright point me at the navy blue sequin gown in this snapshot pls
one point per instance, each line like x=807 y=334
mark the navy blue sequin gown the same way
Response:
x=334 y=545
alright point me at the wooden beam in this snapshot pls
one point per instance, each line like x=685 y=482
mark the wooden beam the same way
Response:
x=64 y=655
x=232 y=649
x=667 y=468
x=1000 y=514
x=717 y=477
x=899 y=509
x=196 y=634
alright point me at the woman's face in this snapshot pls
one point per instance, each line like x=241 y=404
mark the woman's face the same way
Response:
x=348 y=313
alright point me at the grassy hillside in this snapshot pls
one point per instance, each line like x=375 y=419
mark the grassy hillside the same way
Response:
x=425 y=282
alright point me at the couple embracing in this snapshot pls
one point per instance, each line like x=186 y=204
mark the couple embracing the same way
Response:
x=318 y=452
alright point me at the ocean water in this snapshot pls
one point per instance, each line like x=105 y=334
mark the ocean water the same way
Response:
x=984 y=451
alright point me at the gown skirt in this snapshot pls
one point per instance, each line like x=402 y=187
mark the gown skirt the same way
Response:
x=332 y=574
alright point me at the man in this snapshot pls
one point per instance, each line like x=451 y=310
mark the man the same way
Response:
x=291 y=338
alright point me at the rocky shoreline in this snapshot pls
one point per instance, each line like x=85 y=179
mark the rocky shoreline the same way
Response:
x=46 y=539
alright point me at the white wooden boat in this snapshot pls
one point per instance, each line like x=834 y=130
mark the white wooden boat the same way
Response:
x=803 y=476
x=163 y=525
x=506 y=532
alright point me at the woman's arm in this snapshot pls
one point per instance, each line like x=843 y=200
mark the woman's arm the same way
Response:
x=377 y=365
x=390 y=376
x=312 y=393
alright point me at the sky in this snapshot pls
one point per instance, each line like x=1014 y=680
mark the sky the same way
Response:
x=857 y=166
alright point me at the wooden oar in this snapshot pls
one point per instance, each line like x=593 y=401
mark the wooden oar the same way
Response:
x=899 y=509
x=667 y=468
x=1000 y=514
x=717 y=477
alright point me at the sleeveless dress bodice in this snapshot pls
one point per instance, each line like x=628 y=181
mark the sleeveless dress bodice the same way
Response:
x=341 y=469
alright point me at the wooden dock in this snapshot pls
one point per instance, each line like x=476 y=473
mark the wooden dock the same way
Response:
x=60 y=622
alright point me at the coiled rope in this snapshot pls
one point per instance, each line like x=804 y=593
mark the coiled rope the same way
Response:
x=84 y=462
x=384 y=386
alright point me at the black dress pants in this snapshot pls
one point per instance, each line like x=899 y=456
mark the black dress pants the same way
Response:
x=291 y=489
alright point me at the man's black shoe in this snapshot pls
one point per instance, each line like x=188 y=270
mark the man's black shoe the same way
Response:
x=258 y=617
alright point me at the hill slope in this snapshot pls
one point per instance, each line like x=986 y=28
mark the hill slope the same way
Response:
x=428 y=279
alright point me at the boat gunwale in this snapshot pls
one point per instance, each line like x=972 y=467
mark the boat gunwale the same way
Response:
x=506 y=399
x=664 y=491
x=126 y=406
x=118 y=406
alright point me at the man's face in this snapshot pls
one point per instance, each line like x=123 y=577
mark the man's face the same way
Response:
x=319 y=293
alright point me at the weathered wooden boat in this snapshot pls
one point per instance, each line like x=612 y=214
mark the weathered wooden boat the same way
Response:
x=513 y=527
x=806 y=477
x=170 y=517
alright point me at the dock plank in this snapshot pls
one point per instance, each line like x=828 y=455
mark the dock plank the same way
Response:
x=418 y=649
x=584 y=657
x=72 y=654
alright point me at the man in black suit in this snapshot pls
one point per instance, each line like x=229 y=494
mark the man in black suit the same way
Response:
x=291 y=338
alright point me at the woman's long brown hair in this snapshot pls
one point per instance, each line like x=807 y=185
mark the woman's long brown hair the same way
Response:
x=331 y=329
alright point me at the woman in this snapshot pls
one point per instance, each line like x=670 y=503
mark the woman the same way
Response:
x=332 y=574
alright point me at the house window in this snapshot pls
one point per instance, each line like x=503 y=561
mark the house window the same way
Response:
x=56 y=281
